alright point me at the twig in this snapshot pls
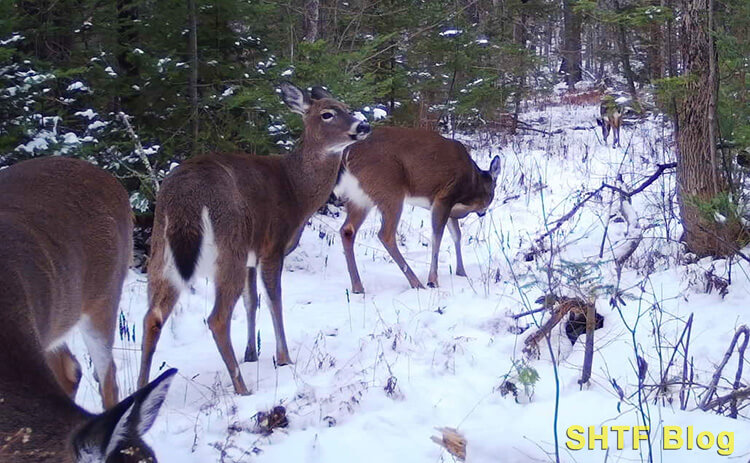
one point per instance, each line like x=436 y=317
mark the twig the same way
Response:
x=139 y=150
x=706 y=403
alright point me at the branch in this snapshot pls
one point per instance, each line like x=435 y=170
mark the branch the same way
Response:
x=139 y=151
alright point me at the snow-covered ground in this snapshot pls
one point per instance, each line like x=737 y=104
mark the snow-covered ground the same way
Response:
x=375 y=374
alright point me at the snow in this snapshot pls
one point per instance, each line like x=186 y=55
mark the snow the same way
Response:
x=379 y=113
x=450 y=33
x=359 y=115
x=374 y=374
x=77 y=85
x=88 y=114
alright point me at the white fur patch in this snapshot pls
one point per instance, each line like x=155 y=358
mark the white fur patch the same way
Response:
x=349 y=189
x=97 y=345
x=252 y=259
x=418 y=201
x=205 y=267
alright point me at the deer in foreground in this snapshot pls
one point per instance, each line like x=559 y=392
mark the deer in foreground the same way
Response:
x=419 y=167
x=222 y=215
x=610 y=120
x=66 y=227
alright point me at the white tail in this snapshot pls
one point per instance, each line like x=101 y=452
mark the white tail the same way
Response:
x=227 y=213
x=396 y=165
x=67 y=242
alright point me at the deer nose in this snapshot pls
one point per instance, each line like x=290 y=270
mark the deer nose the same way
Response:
x=363 y=128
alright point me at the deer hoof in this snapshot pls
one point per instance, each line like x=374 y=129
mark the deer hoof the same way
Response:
x=461 y=272
x=358 y=289
x=251 y=355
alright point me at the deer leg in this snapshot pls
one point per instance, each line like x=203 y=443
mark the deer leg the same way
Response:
x=455 y=232
x=354 y=218
x=250 y=299
x=162 y=299
x=229 y=286
x=271 y=274
x=387 y=235
x=616 y=136
x=66 y=368
x=440 y=215
x=99 y=337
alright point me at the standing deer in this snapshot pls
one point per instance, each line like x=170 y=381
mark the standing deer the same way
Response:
x=610 y=120
x=396 y=165
x=222 y=215
x=66 y=227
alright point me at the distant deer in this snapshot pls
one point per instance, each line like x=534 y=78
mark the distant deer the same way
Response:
x=610 y=120
x=66 y=229
x=221 y=215
x=419 y=167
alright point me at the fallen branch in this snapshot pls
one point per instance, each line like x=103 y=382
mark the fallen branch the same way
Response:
x=564 y=306
x=588 y=356
x=707 y=403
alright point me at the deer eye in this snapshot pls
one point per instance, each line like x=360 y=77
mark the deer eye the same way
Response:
x=327 y=115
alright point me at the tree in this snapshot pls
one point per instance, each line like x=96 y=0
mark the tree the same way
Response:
x=704 y=189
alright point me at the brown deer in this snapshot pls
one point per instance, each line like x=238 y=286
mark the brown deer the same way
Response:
x=610 y=120
x=66 y=227
x=419 y=167
x=221 y=215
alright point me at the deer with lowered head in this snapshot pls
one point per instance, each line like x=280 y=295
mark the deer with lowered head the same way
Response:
x=223 y=215
x=419 y=167
x=67 y=237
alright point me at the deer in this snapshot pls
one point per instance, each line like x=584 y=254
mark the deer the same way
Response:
x=66 y=227
x=610 y=119
x=418 y=167
x=223 y=216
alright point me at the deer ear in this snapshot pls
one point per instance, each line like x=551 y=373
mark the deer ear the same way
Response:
x=318 y=93
x=495 y=167
x=129 y=419
x=297 y=100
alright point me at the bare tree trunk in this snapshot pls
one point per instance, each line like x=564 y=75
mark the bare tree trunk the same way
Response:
x=193 y=80
x=571 y=43
x=622 y=45
x=699 y=169
x=312 y=19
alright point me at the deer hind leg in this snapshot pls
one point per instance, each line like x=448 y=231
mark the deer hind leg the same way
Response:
x=161 y=301
x=455 y=232
x=250 y=300
x=271 y=274
x=230 y=282
x=99 y=337
x=387 y=235
x=355 y=216
x=66 y=368
x=615 y=135
x=440 y=214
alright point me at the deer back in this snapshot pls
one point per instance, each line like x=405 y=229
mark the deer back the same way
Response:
x=417 y=163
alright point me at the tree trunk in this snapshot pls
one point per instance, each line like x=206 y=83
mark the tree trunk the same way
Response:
x=127 y=37
x=571 y=44
x=699 y=174
x=312 y=18
x=193 y=80
x=622 y=45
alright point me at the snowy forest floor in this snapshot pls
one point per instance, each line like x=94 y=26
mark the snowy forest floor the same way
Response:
x=375 y=374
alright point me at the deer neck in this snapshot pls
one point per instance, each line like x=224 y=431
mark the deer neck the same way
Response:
x=312 y=173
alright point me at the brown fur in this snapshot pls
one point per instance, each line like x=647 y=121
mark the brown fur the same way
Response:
x=256 y=204
x=394 y=163
x=66 y=227
x=610 y=121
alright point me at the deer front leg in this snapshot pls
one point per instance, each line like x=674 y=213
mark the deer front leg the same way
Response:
x=354 y=218
x=455 y=232
x=440 y=214
x=229 y=286
x=387 y=234
x=271 y=274
x=250 y=300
